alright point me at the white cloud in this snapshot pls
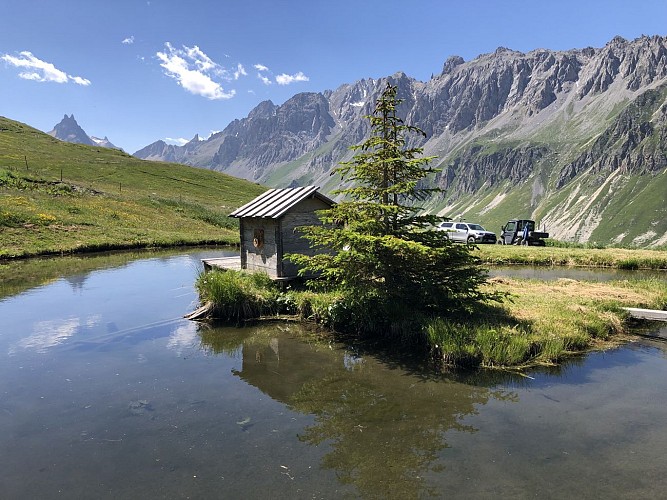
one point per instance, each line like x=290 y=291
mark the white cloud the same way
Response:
x=200 y=60
x=285 y=79
x=41 y=71
x=50 y=333
x=194 y=71
x=129 y=40
x=261 y=67
x=184 y=337
x=178 y=141
x=265 y=79
x=240 y=71
x=80 y=81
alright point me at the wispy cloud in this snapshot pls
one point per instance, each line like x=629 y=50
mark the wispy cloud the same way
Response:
x=129 y=40
x=177 y=142
x=265 y=79
x=41 y=71
x=240 y=71
x=261 y=69
x=195 y=71
x=285 y=79
x=282 y=79
x=181 y=141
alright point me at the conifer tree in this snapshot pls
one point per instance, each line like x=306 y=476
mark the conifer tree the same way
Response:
x=376 y=246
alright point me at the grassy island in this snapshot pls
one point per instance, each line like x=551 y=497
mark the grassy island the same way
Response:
x=382 y=275
x=534 y=323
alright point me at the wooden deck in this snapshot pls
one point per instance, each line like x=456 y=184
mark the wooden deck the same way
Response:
x=233 y=263
x=650 y=314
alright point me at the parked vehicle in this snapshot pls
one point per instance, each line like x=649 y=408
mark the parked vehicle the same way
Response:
x=465 y=232
x=521 y=232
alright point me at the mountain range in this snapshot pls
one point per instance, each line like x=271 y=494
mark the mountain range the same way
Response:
x=574 y=139
x=68 y=130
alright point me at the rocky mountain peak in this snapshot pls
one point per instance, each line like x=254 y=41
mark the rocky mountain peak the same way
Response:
x=503 y=123
x=68 y=130
x=451 y=63
x=265 y=109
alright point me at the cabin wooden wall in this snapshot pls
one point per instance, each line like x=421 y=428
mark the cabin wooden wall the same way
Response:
x=280 y=238
x=264 y=258
x=302 y=214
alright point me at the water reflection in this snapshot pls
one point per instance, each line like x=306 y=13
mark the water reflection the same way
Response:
x=50 y=333
x=17 y=276
x=360 y=404
x=576 y=273
x=106 y=392
x=183 y=338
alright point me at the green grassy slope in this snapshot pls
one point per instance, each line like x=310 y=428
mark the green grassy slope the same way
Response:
x=57 y=197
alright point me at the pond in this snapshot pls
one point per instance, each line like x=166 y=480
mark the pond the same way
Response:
x=575 y=273
x=106 y=392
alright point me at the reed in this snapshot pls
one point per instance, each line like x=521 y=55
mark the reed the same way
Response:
x=542 y=322
x=237 y=295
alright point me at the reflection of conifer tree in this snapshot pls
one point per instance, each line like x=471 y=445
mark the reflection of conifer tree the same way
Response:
x=386 y=428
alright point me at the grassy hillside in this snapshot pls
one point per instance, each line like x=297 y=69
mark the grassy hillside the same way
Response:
x=57 y=197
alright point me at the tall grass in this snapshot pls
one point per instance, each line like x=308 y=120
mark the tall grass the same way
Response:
x=541 y=322
x=238 y=295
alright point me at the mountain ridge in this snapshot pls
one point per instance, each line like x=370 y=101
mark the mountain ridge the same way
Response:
x=516 y=134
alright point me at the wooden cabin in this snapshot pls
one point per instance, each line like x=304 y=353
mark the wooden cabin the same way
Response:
x=268 y=228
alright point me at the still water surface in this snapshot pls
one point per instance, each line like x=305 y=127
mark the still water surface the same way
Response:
x=106 y=392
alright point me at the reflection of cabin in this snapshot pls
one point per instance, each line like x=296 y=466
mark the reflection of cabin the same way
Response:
x=268 y=228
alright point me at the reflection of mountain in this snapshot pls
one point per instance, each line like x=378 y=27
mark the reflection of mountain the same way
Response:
x=386 y=427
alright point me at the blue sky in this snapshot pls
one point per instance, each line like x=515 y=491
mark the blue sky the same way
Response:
x=142 y=70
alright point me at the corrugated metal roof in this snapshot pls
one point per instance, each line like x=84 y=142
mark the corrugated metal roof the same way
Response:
x=275 y=202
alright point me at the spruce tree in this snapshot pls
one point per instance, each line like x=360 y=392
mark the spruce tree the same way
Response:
x=377 y=246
